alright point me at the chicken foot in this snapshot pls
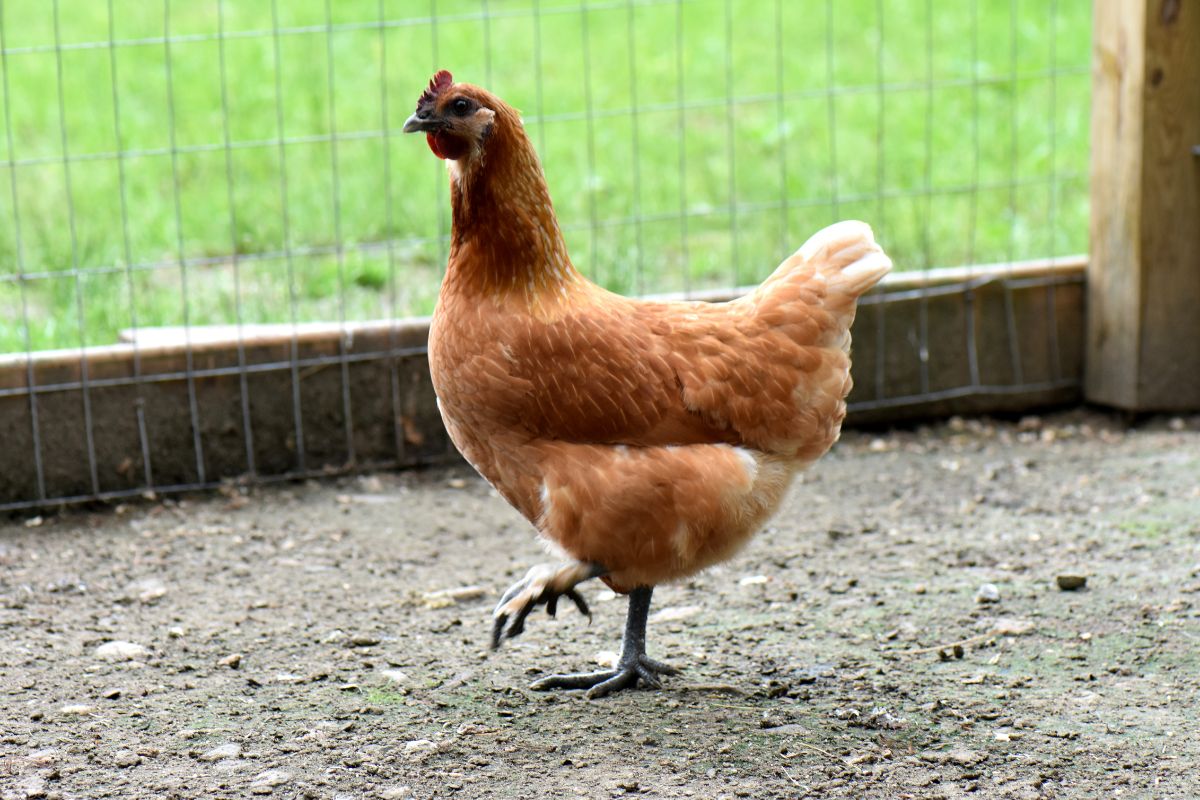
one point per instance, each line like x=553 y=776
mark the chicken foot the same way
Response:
x=543 y=583
x=632 y=665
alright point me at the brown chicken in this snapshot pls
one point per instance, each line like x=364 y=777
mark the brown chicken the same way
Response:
x=644 y=440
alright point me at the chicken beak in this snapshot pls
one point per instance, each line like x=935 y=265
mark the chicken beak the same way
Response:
x=418 y=124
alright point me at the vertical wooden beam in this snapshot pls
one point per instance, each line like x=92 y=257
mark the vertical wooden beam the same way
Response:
x=1144 y=272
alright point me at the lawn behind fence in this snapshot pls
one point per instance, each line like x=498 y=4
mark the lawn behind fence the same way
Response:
x=234 y=161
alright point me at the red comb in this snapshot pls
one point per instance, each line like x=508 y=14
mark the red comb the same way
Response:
x=437 y=84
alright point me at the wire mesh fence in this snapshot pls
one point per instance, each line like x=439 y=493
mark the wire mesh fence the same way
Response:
x=174 y=166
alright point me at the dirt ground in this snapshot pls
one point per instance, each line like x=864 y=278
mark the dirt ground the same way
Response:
x=330 y=641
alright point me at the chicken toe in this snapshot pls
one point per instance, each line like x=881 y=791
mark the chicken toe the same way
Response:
x=543 y=584
x=606 y=681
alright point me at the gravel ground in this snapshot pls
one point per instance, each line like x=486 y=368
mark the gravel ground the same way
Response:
x=898 y=631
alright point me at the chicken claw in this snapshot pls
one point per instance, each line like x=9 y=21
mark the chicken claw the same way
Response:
x=543 y=583
x=632 y=666
x=625 y=675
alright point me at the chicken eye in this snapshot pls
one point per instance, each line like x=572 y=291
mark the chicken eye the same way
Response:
x=461 y=106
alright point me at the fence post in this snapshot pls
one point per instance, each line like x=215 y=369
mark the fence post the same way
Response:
x=1143 y=350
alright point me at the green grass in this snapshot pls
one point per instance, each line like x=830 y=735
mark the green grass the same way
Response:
x=909 y=171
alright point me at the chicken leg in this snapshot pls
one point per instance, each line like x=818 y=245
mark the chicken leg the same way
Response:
x=633 y=664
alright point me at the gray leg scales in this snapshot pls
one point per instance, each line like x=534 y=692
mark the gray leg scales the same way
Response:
x=632 y=666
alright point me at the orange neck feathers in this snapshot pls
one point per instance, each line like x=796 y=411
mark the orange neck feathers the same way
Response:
x=505 y=236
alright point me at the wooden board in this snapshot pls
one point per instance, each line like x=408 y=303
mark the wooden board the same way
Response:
x=1143 y=349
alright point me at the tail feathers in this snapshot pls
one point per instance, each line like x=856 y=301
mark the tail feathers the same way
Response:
x=847 y=256
x=833 y=269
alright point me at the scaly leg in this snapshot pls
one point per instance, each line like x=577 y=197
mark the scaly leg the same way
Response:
x=542 y=584
x=633 y=664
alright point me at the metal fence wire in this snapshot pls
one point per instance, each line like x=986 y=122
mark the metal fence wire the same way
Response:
x=195 y=193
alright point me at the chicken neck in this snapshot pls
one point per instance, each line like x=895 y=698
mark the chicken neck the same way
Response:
x=505 y=235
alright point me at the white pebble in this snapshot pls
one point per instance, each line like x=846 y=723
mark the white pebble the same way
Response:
x=419 y=747
x=673 y=613
x=222 y=751
x=76 y=710
x=394 y=675
x=988 y=593
x=121 y=651
x=606 y=658
x=146 y=591
x=34 y=787
x=270 y=778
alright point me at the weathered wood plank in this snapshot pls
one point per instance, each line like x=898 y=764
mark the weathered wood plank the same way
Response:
x=1144 y=276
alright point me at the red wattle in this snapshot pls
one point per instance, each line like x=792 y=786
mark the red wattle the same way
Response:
x=432 y=140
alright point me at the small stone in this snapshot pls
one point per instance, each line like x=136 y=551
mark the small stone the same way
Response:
x=126 y=758
x=76 y=710
x=146 y=591
x=753 y=580
x=44 y=757
x=419 y=747
x=175 y=632
x=444 y=598
x=121 y=651
x=988 y=593
x=394 y=675
x=269 y=779
x=965 y=758
x=223 y=751
x=1012 y=627
x=233 y=661
x=920 y=588
x=1069 y=582
x=395 y=793
x=364 y=640
x=606 y=658
x=882 y=719
x=34 y=787
x=111 y=694
x=674 y=613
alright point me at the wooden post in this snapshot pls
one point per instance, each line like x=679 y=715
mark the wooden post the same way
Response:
x=1143 y=350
